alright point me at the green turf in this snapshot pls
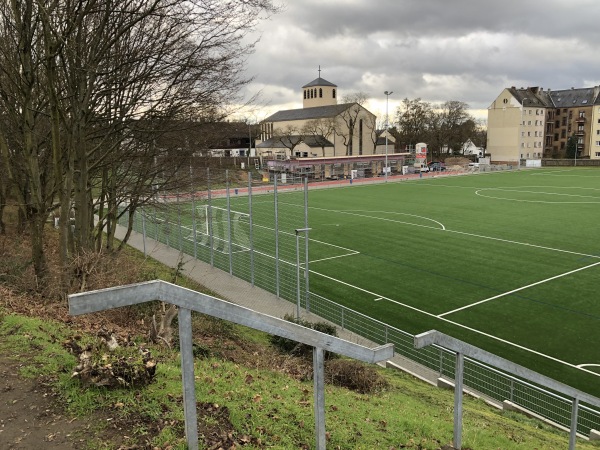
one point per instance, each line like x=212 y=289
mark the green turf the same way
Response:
x=439 y=244
x=409 y=254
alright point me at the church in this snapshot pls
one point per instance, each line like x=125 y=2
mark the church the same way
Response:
x=321 y=128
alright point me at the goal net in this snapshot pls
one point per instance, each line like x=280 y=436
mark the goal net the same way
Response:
x=221 y=224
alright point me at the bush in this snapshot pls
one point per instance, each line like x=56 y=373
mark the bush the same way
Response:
x=296 y=348
x=355 y=376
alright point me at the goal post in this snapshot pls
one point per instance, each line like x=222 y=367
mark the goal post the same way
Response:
x=215 y=221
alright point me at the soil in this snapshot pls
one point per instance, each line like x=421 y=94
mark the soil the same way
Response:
x=29 y=415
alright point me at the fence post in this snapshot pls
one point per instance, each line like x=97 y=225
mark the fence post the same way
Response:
x=306 y=269
x=276 y=237
x=250 y=235
x=179 y=223
x=458 y=403
x=209 y=218
x=144 y=230
x=574 y=413
x=229 y=221
x=319 y=397
x=187 y=377
x=193 y=194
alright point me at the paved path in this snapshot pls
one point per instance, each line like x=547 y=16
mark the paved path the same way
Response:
x=244 y=294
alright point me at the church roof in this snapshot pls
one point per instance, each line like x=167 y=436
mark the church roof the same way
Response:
x=316 y=112
x=319 y=82
x=289 y=141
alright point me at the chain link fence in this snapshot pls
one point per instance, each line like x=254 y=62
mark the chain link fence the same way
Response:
x=253 y=229
x=258 y=230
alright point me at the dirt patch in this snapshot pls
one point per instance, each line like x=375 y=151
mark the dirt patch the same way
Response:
x=30 y=417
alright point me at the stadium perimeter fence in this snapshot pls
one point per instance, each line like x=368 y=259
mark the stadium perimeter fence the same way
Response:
x=252 y=234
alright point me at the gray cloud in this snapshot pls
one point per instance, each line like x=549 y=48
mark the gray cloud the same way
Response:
x=437 y=50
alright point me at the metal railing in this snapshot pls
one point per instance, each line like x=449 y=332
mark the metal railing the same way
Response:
x=483 y=379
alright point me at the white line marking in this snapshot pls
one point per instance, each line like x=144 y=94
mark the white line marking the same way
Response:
x=478 y=193
x=378 y=299
x=588 y=365
x=543 y=355
x=348 y=212
x=333 y=257
x=518 y=289
x=522 y=243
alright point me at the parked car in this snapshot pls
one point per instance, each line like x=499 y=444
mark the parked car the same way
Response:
x=421 y=167
x=437 y=166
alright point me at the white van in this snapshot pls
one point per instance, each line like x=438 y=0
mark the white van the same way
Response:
x=421 y=167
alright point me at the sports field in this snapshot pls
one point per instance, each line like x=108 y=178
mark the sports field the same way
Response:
x=508 y=261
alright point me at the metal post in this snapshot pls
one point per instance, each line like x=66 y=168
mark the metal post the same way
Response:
x=574 y=413
x=276 y=238
x=187 y=377
x=193 y=213
x=144 y=230
x=298 y=231
x=319 y=397
x=179 y=224
x=229 y=222
x=387 y=118
x=306 y=268
x=250 y=235
x=458 y=399
x=297 y=275
x=209 y=218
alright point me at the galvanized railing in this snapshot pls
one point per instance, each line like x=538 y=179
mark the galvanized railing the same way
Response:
x=478 y=377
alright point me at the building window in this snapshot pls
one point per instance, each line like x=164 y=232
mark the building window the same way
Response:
x=360 y=137
x=597 y=145
x=334 y=93
x=320 y=92
x=597 y=153
x=582 y=114
x=304 y=94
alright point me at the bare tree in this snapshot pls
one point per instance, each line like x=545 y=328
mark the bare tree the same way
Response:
x=289 y=137
x=93 y=89
x=349 y=118
x=320 y=128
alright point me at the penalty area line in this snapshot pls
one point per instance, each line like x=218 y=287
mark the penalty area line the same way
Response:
x=504 y=294
x=460 y=325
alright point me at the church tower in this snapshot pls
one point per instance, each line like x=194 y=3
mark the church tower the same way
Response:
x=319 y=92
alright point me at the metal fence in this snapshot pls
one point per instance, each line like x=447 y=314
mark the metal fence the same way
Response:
x=479 y=377
x=248 y=231
x=255 y=231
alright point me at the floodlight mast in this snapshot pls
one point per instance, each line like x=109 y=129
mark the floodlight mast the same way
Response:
x=387 y=117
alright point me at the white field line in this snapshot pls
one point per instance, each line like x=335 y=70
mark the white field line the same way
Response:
x=491 y=336
x=332 y=257
x=523 y=243
x=558 y=194
x=588 y=365
x=350 y=213
x=479 y=194
x=518 y=289
x=480 y=236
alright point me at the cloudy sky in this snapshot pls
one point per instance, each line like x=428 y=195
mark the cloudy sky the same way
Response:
x=436 y=50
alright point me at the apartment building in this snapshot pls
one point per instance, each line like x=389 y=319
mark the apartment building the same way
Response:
x=531 y=123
